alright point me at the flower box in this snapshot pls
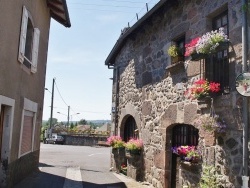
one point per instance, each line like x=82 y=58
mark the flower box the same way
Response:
x=222 y=46
x=197 y=57
x=176 y=59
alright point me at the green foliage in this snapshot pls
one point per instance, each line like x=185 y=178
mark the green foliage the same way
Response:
x=82 y=122
x=208 y=177
x=173 y=51
x=119 y=144
x=54 y=121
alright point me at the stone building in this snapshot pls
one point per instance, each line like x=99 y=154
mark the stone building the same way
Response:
x=24 y=39
x=149 y=92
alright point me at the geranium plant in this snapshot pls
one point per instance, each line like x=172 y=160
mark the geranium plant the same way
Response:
x=187 y=153
x=202 y=88
x=134 y=144
x=190 y=48
x=209 y=41
x=124 y=169
x=115 y=142
x=211 y=123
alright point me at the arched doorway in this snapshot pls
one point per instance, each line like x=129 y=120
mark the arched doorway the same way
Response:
x=130 y=129
x=182 y=135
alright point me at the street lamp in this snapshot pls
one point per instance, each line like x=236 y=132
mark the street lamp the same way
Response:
x=62 y=114
x=68 y=116
x=51 y=107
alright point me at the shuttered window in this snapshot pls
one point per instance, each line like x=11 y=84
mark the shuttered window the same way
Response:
x=27 y=132
x=29 y=42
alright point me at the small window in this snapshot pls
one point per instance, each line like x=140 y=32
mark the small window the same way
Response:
x=181 y=45
x=29 y=42
x=217 y=65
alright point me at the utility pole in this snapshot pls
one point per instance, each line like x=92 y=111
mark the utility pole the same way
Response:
x=51 y=109
x=68 y=117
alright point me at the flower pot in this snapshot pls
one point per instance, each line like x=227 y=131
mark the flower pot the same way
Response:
x=176 y=59
x=135 y=152
x=117 y=151
x=197 y=57
x=222 y=46
x=195 y=160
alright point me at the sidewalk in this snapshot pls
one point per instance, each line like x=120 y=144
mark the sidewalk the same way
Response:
x=131 y=183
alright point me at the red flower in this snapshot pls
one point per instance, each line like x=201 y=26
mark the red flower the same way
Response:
x=214 y=87
x=190 y=47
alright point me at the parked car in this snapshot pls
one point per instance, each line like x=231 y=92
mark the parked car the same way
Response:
x=54 y=140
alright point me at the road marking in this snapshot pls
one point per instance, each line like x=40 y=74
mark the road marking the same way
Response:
x=94 y=154
x=73 y=178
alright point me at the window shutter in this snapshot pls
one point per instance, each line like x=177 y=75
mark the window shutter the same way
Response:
x=23 y=35
x=35 y=50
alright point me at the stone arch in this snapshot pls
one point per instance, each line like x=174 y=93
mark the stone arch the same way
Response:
x=127 y=112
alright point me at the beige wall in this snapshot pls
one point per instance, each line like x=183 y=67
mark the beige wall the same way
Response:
x=15 y=81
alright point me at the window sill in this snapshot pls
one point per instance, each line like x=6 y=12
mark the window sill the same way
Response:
x=175 y=68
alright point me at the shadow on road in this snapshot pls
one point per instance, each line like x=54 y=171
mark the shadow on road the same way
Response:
x=41 y=179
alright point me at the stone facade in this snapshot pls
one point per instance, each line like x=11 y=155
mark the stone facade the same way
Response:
x=152 y=91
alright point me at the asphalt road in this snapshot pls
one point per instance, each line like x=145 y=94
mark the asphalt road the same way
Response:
x=64 y=166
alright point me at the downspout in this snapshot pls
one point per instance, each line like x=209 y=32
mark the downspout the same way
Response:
x=116 y=101
x=245 y=176
x=116 y=98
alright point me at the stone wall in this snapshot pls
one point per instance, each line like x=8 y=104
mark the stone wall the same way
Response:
x=156 y=90
x=83 y=140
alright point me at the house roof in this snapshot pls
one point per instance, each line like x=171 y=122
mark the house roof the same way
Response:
x=59 y=11
x=131 y=31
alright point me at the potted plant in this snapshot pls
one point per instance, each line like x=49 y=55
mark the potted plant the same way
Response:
x=187 y=153
x=115 y=142
x=202 y=88
x=175 y=53
x=134 y=146
x=211 y=41
x=211 y=123
x=193 y=156
x=124 y=169
x=190 y=50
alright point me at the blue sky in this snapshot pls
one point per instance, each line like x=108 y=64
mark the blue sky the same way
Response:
x=76 y=57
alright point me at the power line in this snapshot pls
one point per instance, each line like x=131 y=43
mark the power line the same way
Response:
x=61 y=95
x=100 y=5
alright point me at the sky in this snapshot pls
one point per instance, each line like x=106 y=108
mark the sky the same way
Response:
x=76 y=57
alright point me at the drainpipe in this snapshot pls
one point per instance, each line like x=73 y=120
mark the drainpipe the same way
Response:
x=116 y=81
x=245 y=176
x=116 y=98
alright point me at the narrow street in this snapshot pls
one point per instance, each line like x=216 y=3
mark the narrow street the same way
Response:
x=64 y=166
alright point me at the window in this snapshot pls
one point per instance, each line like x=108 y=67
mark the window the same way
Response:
x=29 y=42
x=185 y=135
x=217 y=65
x=181 y=45
x=130 y=129
x=28 y=127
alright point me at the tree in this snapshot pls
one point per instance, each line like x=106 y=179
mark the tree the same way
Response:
x=82 y=122
x=54 y=121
